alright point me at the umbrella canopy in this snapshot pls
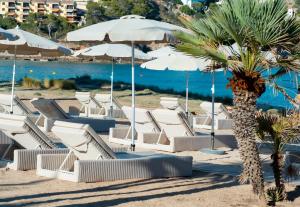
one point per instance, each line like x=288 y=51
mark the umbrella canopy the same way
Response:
x=4 y=34
x=131 y=28
x=109 y=51
x=177 y=62
x=31 y=44
x=163 y=51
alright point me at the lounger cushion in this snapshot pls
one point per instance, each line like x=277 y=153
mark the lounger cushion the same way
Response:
x=143 y=123
x=82 y=140
x=22 y=130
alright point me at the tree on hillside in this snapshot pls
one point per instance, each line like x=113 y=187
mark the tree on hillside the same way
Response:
x=7 y=22
x=256 y=27
x=95 y=13
x=33 y=23
x=118 y=8
x=55 y=26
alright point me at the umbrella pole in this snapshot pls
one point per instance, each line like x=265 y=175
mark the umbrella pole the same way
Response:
x=133 y=98
x=186 y=93
x=13 y=82
x=111 y=88
x=213 y=111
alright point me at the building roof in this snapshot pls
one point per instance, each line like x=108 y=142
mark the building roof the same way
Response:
x=25 y=1
x=53 y=1
x=38 y=1
x=67 y=1
x=7 y=0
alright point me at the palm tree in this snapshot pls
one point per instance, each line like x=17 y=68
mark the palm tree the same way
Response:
x=259 y=28
x=280 y=131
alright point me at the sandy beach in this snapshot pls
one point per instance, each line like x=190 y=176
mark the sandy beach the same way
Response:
x=202 y=189
x=213 y=182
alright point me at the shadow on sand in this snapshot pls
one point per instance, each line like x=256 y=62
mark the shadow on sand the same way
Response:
x=177 y=186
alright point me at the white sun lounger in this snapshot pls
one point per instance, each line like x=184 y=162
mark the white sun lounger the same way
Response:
x=19 y=108
x=144 y=126
x=21 y=131
x=90 y=107
x=160 y=129
x=176 y=135
x=104 y=101
x=222 y=117
x=171 y=104
x=51 y=112
x=91 y=160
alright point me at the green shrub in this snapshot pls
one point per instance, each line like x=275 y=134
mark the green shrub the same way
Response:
x=69 y=85
x=31 y=83
x=57 y=84
x=64 y=84
x=187 y=10
x=37 y=94
x=48 y=83
x=275 y=195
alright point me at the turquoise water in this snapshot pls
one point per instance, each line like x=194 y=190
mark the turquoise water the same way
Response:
x=200 y=82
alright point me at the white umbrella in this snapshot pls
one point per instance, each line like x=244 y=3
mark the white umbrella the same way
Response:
x=30 y=44
x=178 y=62
x=111 y=51
x=133 y=29
x=4 y=34
x=163 y=51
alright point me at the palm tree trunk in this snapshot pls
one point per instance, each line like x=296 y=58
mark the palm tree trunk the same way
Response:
x=277 y=166
x=244 y=126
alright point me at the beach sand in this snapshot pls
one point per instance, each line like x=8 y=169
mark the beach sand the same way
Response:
x=203 y=189
x=19 y=188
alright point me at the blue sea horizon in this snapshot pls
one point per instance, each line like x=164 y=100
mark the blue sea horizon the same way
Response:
x=199 y=82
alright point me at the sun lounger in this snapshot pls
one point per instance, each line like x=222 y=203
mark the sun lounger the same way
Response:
x=91 y=160
x=171 y=104
x=90 y=107
x=144 y=126
x=22 y=132
x=19 y=107
x=222 y=117
x=164 y=130
x=104 y=101
x=176 y=135
x=51 y=112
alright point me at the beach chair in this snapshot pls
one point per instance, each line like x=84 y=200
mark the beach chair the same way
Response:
x=19 y=107
x=161 y=129
x=176 y=135
x=51 y=112
x=21 y=132
x=91 y=160
x=90 y=107
x=171 y=104
x=222 y=117
x=144 y=126
x=104 y=101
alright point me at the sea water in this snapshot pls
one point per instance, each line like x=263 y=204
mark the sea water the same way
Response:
x=199 y=82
